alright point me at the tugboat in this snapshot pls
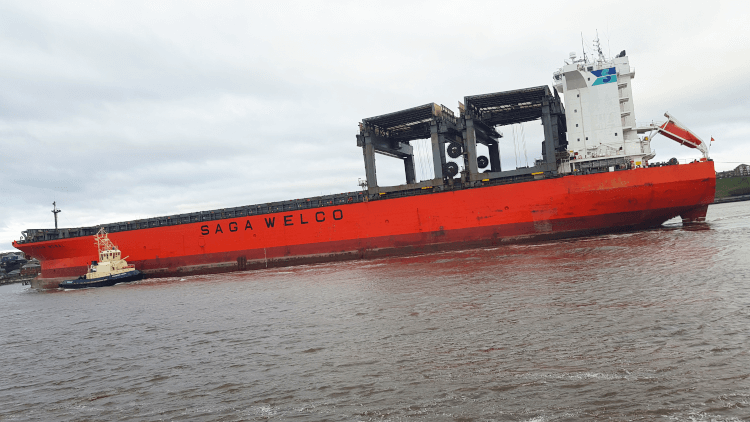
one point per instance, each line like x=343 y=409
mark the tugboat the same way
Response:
x=108 y=271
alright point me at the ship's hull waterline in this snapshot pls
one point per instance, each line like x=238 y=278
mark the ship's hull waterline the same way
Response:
x=106 y=281
x=551 y=208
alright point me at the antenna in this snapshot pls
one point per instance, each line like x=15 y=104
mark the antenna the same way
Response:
x=598 y=47
x=585 y=59
x=55 y=211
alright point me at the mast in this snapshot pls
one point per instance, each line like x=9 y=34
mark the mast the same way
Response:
x=598 y=48
x=55 y=211
x=585 y=59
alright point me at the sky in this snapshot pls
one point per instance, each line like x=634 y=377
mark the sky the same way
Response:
x=125 y=110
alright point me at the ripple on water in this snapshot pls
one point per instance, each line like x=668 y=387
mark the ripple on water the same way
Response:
x=646 y=325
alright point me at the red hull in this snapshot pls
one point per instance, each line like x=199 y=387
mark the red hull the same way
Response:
x=552 y=208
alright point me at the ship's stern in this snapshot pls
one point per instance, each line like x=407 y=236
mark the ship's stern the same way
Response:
x=706 y=188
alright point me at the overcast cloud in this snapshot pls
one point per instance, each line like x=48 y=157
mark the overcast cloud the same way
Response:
x=126 y=110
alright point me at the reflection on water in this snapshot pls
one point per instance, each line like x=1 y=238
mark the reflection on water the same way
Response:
x=646 y=325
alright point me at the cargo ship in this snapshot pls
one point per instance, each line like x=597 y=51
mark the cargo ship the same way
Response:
x=596 y=175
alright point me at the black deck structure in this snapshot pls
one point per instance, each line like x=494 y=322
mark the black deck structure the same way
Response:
x=390 y=135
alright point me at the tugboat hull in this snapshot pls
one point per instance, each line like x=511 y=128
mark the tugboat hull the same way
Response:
x=109 y=280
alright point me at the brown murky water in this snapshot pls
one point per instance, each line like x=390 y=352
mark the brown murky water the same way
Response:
x=651 y=325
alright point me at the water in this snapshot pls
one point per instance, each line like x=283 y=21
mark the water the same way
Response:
x=652 y=325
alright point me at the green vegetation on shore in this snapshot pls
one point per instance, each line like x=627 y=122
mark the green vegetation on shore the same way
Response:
x=732 y=186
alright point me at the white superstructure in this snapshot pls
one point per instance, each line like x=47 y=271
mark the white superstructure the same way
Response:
x=110 y=259
x=599 y=112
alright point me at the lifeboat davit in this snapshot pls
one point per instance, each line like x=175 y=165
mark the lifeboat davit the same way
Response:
x=676 y=131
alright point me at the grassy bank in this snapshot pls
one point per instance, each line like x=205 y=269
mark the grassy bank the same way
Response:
x=732 y=186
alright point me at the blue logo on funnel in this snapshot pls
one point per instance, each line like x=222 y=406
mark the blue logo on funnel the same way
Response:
x=604 y=76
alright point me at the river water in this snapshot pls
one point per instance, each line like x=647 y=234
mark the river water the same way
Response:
x=652 y=325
